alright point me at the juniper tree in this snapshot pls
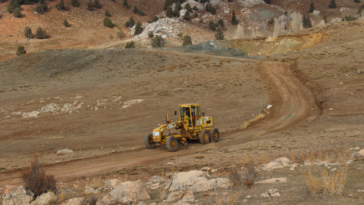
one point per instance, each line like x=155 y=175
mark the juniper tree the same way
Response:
x=17 y=12
x=38 y=8
x=107 y=13
x=267 y=1
x=65 y=23
x=40 y=33
x=234 y=21
x=130 y=44
x=150 y=35
x=357 y=1
x=158 y=41
x=187 y=40
x=219 y=34
x=75 y=3
x=176 y=12
x=138 y=28
x=155 y=18
x=332 y=4
x=90 y=6
x=169 y=12
x=125 y=3
x=20 y=51
x=108 y=22
x=212 y=26
x=187 y=16
x=221 y=23
x=97 y=4
x=312 y=7
x=45 y=6
x=135 y=10
x=28 y=32
x=188 y=7
x=131 y=22
x=61 y=6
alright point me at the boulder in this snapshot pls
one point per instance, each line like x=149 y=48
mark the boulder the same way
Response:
x=45 y=199
x=182 y=13
x=90 y=190
x=127 y=192
x=52 y=108
x=344 y=9
x=75 y=201
x=316 y=12
x=157 y=179
x=358 y=155
x=181 y=195
x=336 y=20
x=216 y=2
x=30 y=114
x=17 y=196
x=66 y=108
x=321 y=23
x=278 y=163
x=270 y=192
x=250 y=3
x=211 y=184
x=64 y=151
x=272 y=180
x=112 y=183
x=193 y=3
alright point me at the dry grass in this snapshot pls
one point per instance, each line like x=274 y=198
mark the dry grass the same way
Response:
x=97 y=183
x=229 y=198
x=329 y=185
x=249 y=176
x=235 y=176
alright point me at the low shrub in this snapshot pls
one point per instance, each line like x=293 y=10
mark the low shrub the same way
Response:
x=20 y=51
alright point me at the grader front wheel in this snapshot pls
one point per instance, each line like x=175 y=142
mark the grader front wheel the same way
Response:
x=172 y=144
x=205 y=137
x=215 y=134
x=149 y=143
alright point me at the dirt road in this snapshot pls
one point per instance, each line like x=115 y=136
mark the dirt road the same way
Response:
x=292 y=104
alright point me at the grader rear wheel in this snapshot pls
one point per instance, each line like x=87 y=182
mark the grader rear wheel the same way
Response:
x=215 y=135
x=148 y=141
x=205 y=136
x=172 y=144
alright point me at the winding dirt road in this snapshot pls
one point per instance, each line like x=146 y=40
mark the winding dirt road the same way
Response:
x=292 y=102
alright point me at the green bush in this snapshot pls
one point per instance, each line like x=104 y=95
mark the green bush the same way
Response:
x=108 y=22
x=195 y=8
x=188 y=7
x=219 y=34
x=267 y=1
x=120 y=34
x=130 y=23
x=28 y=32
x=187 y=40
x=357 y=1
x=312 y=7
x=40 y=33
x=158 y=42
x=141 y=13
x=176 y=12
x=234 y=21
x=130 y=44
x=10 y=8
x=138 y=28
x=155 y=18
x=271 y=21
x=45 y=6
x=90 y=6
x=39 y=8
x=307 y=21
x=350 y=18
x=17 y=12
x=212 y=26
x=75 y=3
x=61 y=6
x=97 y=4
x=20 y=51
x=150 y=35
x=65 y=23
x=107 y=13
x=221 y=23
x=135 y=10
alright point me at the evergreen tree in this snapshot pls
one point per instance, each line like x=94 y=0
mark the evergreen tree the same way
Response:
x=169 y=12
x=127 y=24
x=234 y=21
x=125 y=3
x=97 y=4
x=176 y=11
x=267 y=1
x=131 y=21
x=360 y=10
x=168 y=3
x=230 y=0
x=75 y=3
x=130 y=44
x=138 y=28
x=10 y=9
x=221 y=23
x=332 y=4
x=41 y=1
x=188 y=7
x=135 y=10
x=357 y=1
x=90 y=6
x=20 y=51
x=28 y=32
x=158 y=41
x=187 y=16
x=108 y=22
x=212 y=26
x=17 y=12
x=150 y=35
x=61 y=6
x=195 y=8
x=195 y=15
x=219 y=34
x=212 y=10
x=187 y=40
x=40 y=33
x=307 y=21
x=155 y=18
x=45 y=6
x=39 y=9
x=65 y=23
x=107 y=13
x=325 y=19
x=208 y=7
x=312 y=7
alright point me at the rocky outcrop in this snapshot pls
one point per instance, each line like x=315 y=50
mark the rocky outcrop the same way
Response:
x=30 y=114
x=278 y=163
x=20 y=195
x=75 y=201
x=193 y=3
x=163 y=27
x=64 y=151
x=45 y=199
x=127 y=192
x=250 y=3
x=112 y=183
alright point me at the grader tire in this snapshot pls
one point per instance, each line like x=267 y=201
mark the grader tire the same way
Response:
x=149 y=143
x=172 y=144
x=205 y=137
x=215 y=135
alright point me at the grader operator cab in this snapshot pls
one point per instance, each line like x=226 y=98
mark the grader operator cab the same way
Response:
x=191 y=125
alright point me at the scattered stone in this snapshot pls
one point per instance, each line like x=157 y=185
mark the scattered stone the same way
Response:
x=344 y=9
x=75 y=201
x=307 y=163
x=45 y=199
x=52 y=108
x=8 y=188
x=270 y=192
x=16 y=113
x=132 y=102
x=316 y=12
x=213 y=170
x=333 y=169
x=336 y=20
x=206 y=169
x=181 y=195
x=269 y=107
x=30 y=114
x=358 y=155
x=90 y=190
x=17 y=196
x=157 y=179
x=331 y=109
x=127 y=192
x=272 y=180
x=64 y=151
x=278 y=163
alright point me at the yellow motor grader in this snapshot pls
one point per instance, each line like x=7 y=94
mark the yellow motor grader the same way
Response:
x=192 y=125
